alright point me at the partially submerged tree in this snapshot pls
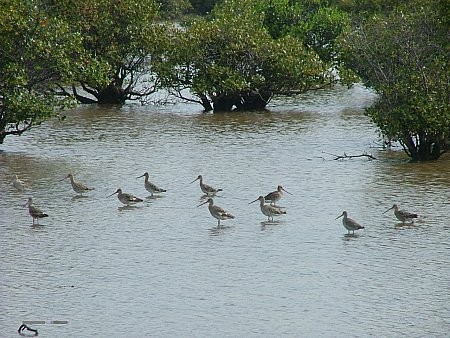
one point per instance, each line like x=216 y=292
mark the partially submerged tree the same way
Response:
x=121 y=39
x=404 y=57
x=230 y=61
x=36 y=51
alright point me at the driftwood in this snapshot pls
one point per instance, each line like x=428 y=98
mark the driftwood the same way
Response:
x=27 y=331
x=345 y=156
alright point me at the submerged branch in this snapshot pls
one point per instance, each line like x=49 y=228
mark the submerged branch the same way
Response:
x=81 y=98
x=345 y=156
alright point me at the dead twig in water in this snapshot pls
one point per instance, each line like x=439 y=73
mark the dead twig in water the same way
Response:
x=345 y=156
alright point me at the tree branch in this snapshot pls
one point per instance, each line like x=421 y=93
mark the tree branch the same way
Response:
x=88 y=90
x=82 y=99
x=181 y=96
x=345 y=156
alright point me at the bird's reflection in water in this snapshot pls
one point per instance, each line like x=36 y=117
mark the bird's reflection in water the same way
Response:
x=127 y=207
x=220 y=230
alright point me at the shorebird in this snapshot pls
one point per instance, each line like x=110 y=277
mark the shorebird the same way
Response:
x=216 y=211
x=150 y=187
x=208 y=190
x=349 y=224
x=269 y=210
x=18 y=183
x=275 y=196
x=34 y=211
x=78 y=187
x=125 y=198
x=402 y=215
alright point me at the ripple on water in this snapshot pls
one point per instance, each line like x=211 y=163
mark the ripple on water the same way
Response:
x=166 y=264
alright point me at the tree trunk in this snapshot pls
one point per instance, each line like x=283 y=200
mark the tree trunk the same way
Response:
x=225 y=103
x=254 y=100
x=427 y=148
x=112 y=94
x=248 y=101
x=205 y=103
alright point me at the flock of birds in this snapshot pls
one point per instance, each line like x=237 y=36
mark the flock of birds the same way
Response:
x=270 y=210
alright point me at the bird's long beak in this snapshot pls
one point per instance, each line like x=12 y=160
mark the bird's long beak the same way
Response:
x=388 y=210
x=202 y=203
x=63 y=179
x=112 y=194
x=286 y=191
x=194 y=180
x=254 y=201
x=140 y=176
x=340 y=216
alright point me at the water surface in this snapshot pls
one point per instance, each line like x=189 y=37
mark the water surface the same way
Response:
x=165 y=269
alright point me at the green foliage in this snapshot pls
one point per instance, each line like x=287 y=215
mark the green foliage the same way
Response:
x=119 y=38
x=174 y=9
x=280 y=17
x=238 y=56
x=363 y=9
x=36 y=51
x=322 y=30
x=232 y=60
x=404 y=57
x=315 y=23
x=203 y=7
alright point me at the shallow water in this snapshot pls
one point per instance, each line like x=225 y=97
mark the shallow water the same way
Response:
x=164 y=268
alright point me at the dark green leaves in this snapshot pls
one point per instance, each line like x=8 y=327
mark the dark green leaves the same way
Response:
x=404 y=57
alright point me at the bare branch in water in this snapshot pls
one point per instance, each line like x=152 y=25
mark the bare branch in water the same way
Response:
x=345 y=156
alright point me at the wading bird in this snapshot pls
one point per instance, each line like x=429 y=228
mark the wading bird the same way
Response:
x=34 y=211
x=208 y=190
x=275 y=196
x=269 y=210
x=402 y=215
x=78 y=187
x=349 y=224
x=149 y=186
x=125 y=198
x=18 y=183
x=216 y=211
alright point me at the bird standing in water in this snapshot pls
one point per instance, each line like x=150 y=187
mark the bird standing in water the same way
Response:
x=217 y=212
x=34 y=211
x=276 y=195
x=18 y=183
x=207 y=189
x=78 y=187
x=402 y=215
x=269 y=210
x=349 y=224
x=125 y=198
x=149 y=186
